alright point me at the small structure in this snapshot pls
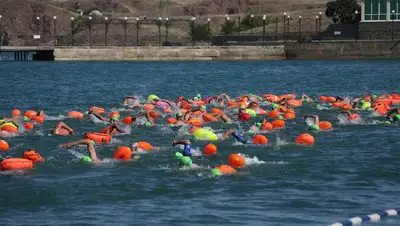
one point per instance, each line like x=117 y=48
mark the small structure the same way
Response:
x=380 y=10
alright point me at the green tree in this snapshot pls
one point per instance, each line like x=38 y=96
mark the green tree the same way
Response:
x=199 y=32
x=343 y=11
x=228 y=27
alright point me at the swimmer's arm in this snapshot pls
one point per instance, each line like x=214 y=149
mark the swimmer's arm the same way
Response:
x=99 y=116
x=184 y=142
x=92 y=153
x=149 y=118
x=64 y=126
x=348 y=113
x=314 y=117
x=118 y=128
x=227 y=133
x=75 y=143
x=338 y=98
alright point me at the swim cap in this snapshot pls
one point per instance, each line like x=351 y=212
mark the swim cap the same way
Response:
x=187 y=161
x=86 y=159
x=26 y=118
x=244 y=117
x=152 y=97
x=374 y=96
x=196 y=98
x=258 y=124
x=171 y=125
x=186 y=133
x=280 y=117
x=179 y=114
x=330 y=104
x=396 y=117
x=92 y=142
x=313 y=127
x=251 y=131
x=370 y=109
x=274 y=106
x=115 y=118
x=362 y=102
x=318 y=106
x=260 y=98
x=203 y=107
x=387 y=122
x=198 y=95
x=147 y=124
x=216 y=172
x=142 y=111
x=49 y=135
x=178 y=155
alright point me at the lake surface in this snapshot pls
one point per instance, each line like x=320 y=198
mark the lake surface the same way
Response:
x=352 y=170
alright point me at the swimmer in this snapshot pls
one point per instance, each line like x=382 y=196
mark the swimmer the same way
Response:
x=256 y=127
x=187 y=149
x=115 y=118
x=185 y=161
x=180 y=120
x=145 y=113
x=393 y=115
x=13 y=120
x=58 y=130
x=307 y=99
x=243 y=115
x=111 y=130
x=235 y=135
x=130 y=101
x=315 y=125
x=89 y=144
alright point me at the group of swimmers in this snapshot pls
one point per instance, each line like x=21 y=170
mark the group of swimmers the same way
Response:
x=192 y=113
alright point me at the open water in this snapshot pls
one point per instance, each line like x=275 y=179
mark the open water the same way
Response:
x=352 y=170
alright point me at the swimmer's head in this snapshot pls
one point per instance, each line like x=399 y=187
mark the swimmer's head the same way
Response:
x=260 y=98
x=203 y=107
x=216 y=172
x=195 y=98
x=198 y=96
x=313 y=127
x=274 y=106
x=26 y=118
x=86 y=159
x=148 y=124
x=280 y=117
x=362 y=102
x=258 y=124
x=142 y=111
x=370 y=109
x=178 y=155
x=187 y=161
x=387 y=122
x=396 y=118
x=115 y=118
x=179 y=115
x=374 y=96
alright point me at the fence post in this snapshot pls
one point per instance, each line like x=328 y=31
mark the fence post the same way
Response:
x=54 y=30
x=137 y=30
x=72 y=31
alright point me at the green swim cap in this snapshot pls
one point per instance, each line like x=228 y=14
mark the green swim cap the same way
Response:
x=216 y=172
x=178 y=114
x=361 y=102
x=258 y=124
x=115 y=118
x=186 y=133
x=142 y=111
x=26 y=118
x=171 y=125
x=396 y=117
x=313 y=127
x=274 y=106
x=280 y=117
x=236 y=110
x=203 y=107
x=370 y=109
x=387 y=122
x=92 y=142
x=147 y=124
x=196 y=98
x=318 y=106
x=251 y=131
x=330 y=104
x=187 y=161
x=198 y=95
x=86 y=159
x=374 y=96
x=178 y=155
x=49 y=135
x=260 y=98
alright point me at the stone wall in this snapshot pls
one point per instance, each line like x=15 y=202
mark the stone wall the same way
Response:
x=343 y=50
x=169 y=53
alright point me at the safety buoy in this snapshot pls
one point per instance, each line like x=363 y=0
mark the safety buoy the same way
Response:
x=16 y=164
x=98 y=137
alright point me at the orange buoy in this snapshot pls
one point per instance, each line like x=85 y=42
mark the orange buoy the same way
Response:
x=267 y=126
x=347 y=106
x=33 y=156
x=294 y=103
x=330 y=99
x=209 y=118
x=226 y=169
x=289 y=115
x=75 y=114
x=29 y=114
x=210 y=149
x=98 y=137
x=236 y=161
x=260 y=139
x=38 y=119
x=305 y=139
x=97 y=110
x=127 y=120
x=9 y=128
x=381 y=111
x=338 y=104
x=274 y=114
x=282 y=109
x=144 y=145
x=216 y=111
x=353 y=117
x=231 y=104
x=290 y=110
x=153 y=114
x=4 y=145
x=114 y=113
x=186 y=106
x=262 y=111
x=167 y=110
x=271 y=98
x=16 y=113
x=384 y=101
x=278 y=123
x=123 y=153
x=28 y=126
x=16 y=164
x=171 y=120
x=195 y=122
x=323 y=98
x=148 y=107
x=325 y=125
x=199 y=102
x=287 y=96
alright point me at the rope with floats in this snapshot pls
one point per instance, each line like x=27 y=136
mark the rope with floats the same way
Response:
x=375 y=217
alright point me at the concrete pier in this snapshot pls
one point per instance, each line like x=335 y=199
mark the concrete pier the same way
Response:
x=169 y=53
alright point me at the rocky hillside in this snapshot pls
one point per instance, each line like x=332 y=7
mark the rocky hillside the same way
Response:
x=19 y=18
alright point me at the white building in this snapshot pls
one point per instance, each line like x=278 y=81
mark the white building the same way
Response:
x=380 y=10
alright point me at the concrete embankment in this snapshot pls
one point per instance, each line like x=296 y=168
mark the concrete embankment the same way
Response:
x=169 y=53
x=343 y=50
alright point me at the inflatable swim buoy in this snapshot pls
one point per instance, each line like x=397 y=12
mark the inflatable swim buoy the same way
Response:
x=97 y=110
x=4 y=145
x=123 y=153
x=9 y=127
x=325 y=125
x=305 y=139
x=278 y=123
x=32 y=156
x=144 y=145
x=75 y=114
x=195 y=122
x=274 y=114
x=205 y=134
x=16 y=113
x=162 y=104
x=236 y=161
x=209 y=118
x=294 y=103
x=271 y=98
x=29 y=114
x=98 y=137
x=16 y=164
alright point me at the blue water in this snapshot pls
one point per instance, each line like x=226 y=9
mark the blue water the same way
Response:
x=350 y=171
